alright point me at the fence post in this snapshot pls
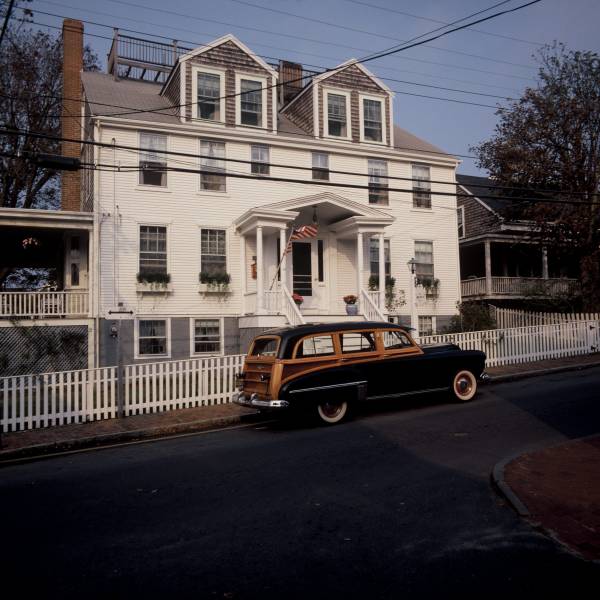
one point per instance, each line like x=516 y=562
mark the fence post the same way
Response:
x=120 y=375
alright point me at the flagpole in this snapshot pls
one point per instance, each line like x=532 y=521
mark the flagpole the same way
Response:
x=281 y=259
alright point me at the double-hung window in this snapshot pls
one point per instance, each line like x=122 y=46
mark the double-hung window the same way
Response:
x=251 y=102
x=320 y=166
x=374 y=257
x=424 y=263
x=209 y=96
x=421 y=176
x=152 y=337
x=153 y=250
x=213 y=252
x=206 y=336
x=212 y=165
x=378 y=183
x=337 y=125
x=153 y=160
x=425 y=325
x=372 y=120
x=259 y=156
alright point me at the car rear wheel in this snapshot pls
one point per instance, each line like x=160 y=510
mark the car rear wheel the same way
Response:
x=332 y=411
x=464 y=386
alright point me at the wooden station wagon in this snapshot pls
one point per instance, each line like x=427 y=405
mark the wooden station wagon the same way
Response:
x=327 y=367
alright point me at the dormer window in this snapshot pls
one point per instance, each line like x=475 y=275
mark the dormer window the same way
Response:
x=251 y=101
x=209 y=91
x=337 y=118
x=372 y=122
x=209 y=105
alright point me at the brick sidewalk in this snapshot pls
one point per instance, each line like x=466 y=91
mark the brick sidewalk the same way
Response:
x=65 y=437
x=560 y=487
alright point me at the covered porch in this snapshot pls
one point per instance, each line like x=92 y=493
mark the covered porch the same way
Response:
x=321 y=267
x=511 y=267
x=44 y=258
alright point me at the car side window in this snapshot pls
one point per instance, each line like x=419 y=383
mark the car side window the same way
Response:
x=265 y=347
x=316 y=345
x=396 y=340
x=357 y=341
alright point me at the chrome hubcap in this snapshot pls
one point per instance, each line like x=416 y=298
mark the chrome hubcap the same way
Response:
x=331 y=410
x=463 y=386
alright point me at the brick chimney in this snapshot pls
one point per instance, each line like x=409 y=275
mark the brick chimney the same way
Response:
x=71 y=127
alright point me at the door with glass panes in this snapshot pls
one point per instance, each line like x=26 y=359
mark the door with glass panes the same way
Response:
x=308 y=272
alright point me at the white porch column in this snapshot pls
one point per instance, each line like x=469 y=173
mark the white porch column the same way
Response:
x=545 y=262
x=488 y=268
x=282 y=243
x=381 y=271
x=243 y=272
x=359 y=262
x=260 y=287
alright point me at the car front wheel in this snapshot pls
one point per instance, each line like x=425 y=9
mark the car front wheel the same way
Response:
x=464 y=386
x=333 y=411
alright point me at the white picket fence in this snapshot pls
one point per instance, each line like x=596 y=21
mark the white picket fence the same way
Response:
x=34 y=401
x=49 y=399
x=526 y=344
x=507 y=317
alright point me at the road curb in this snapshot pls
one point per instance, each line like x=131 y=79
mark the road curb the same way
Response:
x=498 y=480
x=537 y=372
x=106 y=439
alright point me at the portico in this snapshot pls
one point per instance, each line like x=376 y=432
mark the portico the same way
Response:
x=322 y=269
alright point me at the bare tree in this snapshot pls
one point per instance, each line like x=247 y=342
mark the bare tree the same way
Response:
x=550 y=138
x=30 y=99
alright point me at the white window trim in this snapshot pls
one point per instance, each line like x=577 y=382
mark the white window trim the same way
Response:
x=144 y=186
x=328 y=155
x=361 y=118
x=136 y=337
x=338 y=92
x=238 y=99
x=227 y=253
x=433 y=324
x=199 y=189
x=221 y=336
x=211 y=71
x=464 y=231
x=149 y=224
x=421 y=208
x=268 y=163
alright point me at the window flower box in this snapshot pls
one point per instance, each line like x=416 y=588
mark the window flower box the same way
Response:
x=217 y=283
x=153 y=283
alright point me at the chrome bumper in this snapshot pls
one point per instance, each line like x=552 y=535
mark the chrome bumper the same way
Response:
x=484 y=377
x=252 y=401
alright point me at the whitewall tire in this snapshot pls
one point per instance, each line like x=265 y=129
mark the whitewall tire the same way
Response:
x=464 y=386
x=332 y=412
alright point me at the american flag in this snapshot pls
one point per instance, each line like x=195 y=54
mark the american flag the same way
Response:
x=300 y=233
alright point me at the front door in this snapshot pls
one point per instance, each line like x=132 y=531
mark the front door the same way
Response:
x=308 y=272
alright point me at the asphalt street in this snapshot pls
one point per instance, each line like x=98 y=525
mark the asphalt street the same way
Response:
x=396 y=503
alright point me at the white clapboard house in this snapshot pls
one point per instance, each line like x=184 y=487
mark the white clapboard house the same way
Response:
x=211 y=159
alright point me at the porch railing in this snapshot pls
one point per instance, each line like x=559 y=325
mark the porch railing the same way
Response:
x=44 y=304
x=519 y=286
x=289 y=308
x=369 y=309
x=273 y=302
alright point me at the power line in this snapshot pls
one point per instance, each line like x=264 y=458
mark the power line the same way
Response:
x=431 y=20
x=381 y=35
x=138 y=150
x=413 y=59
x=6 y=19
x=313 y=40
x=388 y=52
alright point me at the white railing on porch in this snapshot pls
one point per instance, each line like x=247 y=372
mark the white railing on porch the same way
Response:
x=34 y=401
x=44 y=304
x=369 y=308
x=473 y=287
x=519 y=286
x=273 y=302
x=374 y=295
x=289 y=308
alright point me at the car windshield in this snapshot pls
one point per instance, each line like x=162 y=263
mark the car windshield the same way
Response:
x=265 y=347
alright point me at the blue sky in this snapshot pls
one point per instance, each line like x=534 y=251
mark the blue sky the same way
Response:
x=468 y=60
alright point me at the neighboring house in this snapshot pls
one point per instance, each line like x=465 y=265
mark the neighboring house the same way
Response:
x=185 y=263
x=501 y=258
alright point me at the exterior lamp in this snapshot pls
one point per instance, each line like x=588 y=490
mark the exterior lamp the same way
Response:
x=412 y=266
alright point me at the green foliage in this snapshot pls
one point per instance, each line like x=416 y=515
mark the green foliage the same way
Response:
x=472 y=316
x=154 y=277
x=216 y=279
